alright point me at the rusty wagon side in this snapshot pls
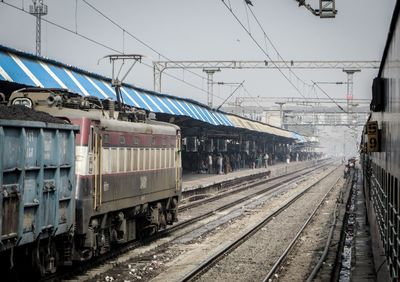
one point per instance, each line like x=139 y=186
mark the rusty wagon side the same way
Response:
x=37 y=189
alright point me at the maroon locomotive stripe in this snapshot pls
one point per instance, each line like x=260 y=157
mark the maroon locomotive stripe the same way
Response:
x=128 y=173
x=83 y=136
x=124 y=139
x=127 y=139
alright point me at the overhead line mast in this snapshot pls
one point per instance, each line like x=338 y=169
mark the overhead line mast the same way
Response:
x=38 y=9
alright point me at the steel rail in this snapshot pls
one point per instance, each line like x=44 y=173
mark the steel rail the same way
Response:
x=174 y=228
x=326 y=249
x=295 y=239
x=239 y=201
x=210 y=261
x=233 y=190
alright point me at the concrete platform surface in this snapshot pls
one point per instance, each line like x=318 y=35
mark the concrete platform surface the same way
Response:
x=192 y=181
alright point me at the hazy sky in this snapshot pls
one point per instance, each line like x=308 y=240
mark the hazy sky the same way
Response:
x=205 y=30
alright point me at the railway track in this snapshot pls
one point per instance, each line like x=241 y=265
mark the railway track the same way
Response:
x=242 y=187
x=286 y=179
x=211 y=261
x=78 y=273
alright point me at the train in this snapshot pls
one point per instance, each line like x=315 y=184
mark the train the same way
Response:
x=112 y=173
x=380 y=159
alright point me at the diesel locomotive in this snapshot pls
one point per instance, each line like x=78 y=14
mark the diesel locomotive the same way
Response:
x=127 y=169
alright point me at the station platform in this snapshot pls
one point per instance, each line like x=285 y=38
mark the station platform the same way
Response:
x=194 y=181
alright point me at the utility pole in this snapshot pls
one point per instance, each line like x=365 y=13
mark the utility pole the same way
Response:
x=38 y=9
x=350 y=104
x=350 y=80
x=210 y=84
x=281 y=111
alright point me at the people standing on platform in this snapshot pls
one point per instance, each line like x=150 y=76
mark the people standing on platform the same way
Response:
x=203 y=168
x=266 y=157
x=244 y=159
x=297 y=157
x=287 y=158
x=210 y=163
x=259 y=161
x=215 y=163
x=227 y=165
x=233 y=161
x=253 y=161
x=239 y=160
x=220 y=164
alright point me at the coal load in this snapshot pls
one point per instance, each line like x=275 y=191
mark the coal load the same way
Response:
x=17 y=112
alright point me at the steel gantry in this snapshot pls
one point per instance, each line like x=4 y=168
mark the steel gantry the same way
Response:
x=304 y=112
x=160 y=66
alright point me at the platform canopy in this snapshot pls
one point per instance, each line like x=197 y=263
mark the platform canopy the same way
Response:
x=30 y=70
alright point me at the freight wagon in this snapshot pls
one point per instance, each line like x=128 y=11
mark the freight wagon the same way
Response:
x=37 y=181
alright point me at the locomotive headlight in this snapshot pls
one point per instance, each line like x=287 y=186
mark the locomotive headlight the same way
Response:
x=23 y=102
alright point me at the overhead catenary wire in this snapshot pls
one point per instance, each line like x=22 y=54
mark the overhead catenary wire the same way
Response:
x=279 y=55
x=135 y=37
x=96 y=42
x=252 y=97
x=327 y=95
x=230 y=95
x=124 y=30
x=274 y=47
x=262 y=50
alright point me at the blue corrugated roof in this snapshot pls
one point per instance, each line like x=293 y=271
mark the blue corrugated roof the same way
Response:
x=299 y=137
x=30 y=70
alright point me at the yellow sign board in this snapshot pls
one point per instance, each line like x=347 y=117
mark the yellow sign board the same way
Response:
x=373 y=140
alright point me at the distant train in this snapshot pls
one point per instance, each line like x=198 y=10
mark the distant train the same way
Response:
x=118 y=179
x=380 y=159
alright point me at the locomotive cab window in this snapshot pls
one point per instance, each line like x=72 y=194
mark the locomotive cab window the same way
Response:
x=122 y=139
x=106 y=138
x=91 y=139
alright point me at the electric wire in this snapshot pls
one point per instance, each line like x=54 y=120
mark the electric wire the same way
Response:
x=333 y=100
x=104 y=46
x=252 y=97
x=148 y=46
x=262 y=50
x=136 y=38
x=230 y=95
x=279 y=55
x=274 y=47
